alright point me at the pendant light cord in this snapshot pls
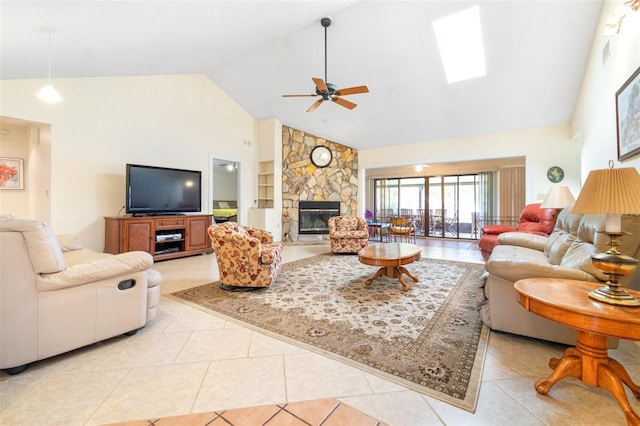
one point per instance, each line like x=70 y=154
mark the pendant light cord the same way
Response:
x=49 y=56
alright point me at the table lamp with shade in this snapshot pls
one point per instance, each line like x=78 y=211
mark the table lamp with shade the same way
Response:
x=557 y=198
x=612 y=192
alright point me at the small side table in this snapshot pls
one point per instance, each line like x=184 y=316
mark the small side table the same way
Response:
x=568 y=302
x=377 y=229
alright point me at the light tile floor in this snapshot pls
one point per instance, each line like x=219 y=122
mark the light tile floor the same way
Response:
x=187 y=361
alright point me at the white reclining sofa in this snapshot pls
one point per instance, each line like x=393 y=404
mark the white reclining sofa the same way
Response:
x=56 y=296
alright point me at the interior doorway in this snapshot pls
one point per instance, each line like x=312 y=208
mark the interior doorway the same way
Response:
x=225 y=189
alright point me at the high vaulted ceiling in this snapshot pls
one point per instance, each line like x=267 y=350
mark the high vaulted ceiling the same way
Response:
x=536 y=53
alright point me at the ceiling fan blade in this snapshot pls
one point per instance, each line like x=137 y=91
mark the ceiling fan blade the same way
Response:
x=315 y=105
x=299 y=96
x=352 y=90
x=345 y=103
x=320 y=84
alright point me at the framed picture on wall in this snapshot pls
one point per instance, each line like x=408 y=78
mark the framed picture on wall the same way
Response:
x=628 y=117
x=11 y=173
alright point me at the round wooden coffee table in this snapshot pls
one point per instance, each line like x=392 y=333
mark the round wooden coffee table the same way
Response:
x=568 y=302
x=391 y=257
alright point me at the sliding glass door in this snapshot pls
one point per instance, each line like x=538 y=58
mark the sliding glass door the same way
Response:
x=448 y=209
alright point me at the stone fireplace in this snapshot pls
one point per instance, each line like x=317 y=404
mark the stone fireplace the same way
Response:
x=313 y=216
x=302 y=181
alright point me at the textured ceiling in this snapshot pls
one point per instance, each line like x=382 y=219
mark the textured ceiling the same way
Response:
x=536 y=53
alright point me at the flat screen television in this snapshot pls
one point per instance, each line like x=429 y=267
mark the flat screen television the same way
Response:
x=155 y=190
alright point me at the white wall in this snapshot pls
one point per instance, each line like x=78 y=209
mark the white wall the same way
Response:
x=594 y=121
x=225 y=184
x=542 y=148
x=103 y=123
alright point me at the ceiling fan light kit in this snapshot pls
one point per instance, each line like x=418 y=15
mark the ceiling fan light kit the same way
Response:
x=329 y=91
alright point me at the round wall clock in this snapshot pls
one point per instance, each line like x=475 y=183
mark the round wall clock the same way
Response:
x=321 y=156
x=555 y=174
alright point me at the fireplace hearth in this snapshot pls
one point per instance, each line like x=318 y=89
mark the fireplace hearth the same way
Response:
x=313 y=216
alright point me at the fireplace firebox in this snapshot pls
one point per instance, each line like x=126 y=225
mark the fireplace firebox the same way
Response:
x=313 y=216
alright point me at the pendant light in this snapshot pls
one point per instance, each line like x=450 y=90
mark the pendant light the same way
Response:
x=48 y=93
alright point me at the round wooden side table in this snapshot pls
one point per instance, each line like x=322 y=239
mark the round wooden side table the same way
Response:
x=568 y=302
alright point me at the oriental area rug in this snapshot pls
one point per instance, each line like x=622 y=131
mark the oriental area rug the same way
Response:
x=429 y=339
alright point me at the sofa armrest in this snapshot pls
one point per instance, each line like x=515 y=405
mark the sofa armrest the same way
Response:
x=497 y=229
x=523 y=239
x=270 y=253
x=100 y=268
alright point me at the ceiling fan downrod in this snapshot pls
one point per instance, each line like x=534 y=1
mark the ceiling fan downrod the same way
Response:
x=326 y=23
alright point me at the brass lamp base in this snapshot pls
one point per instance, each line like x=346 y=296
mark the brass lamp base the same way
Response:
x=615 y=266
x=614 y=296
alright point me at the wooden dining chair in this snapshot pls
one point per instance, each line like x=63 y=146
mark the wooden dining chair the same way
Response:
x=450 y=224
x=406 y=213
x=402 y=227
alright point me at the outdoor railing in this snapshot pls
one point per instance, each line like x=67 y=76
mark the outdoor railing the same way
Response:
x=469 y=230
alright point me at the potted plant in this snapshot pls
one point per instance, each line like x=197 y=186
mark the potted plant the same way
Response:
x=368 y=215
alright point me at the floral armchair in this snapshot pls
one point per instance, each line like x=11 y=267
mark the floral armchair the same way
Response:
x=348 y=234
x=247 y=257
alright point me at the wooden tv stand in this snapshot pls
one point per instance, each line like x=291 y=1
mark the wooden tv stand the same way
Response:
x=164 y=237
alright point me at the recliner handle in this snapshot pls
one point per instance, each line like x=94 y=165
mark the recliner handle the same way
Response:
x=127 y=284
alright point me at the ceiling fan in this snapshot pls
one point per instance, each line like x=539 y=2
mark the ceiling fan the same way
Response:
x=329 y=91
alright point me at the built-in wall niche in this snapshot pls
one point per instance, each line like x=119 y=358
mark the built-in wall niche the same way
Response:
x=225 y=178
x=29 y=141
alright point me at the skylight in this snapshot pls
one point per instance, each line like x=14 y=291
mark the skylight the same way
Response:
x=459 y=39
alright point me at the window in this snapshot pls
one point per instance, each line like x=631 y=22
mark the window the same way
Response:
x=459 y=38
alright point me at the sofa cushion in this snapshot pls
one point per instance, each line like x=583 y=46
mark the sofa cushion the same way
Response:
x=497 y=229
x=562 y=236
x=69 y=242
x=557 y=245
x=350 y=234
x=514 y=263
x=536 y=219
x=347 y=223
x=523 y=239
x=590 y=239
x=44 y=249
x=578 y=256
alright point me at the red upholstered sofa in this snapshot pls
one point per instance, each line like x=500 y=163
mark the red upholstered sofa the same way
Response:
x=533 y=220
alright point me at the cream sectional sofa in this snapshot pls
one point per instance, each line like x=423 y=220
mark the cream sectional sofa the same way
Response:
x=56 y=296
x=564 y=254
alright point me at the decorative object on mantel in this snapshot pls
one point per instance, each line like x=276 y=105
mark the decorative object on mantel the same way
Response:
x=613 y=192
x=329 y=91
x=557 y=198
x=48 y=93
x=429 y=339
x=628 y=117
x=613 y=24
x=555 y=174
